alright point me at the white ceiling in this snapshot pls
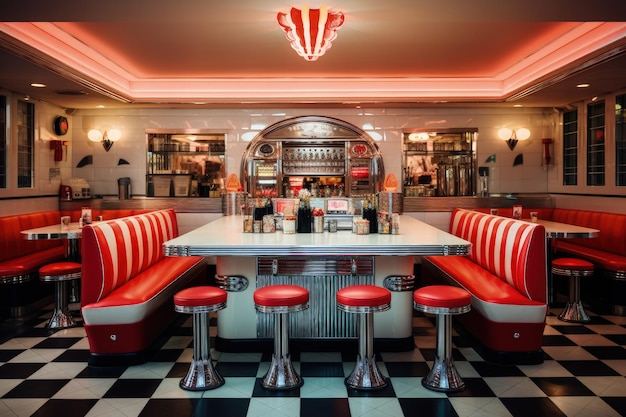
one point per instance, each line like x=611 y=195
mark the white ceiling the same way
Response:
x=173 y=53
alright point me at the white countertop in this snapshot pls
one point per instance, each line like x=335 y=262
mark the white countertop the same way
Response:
x=567 y=231
x=225 y=237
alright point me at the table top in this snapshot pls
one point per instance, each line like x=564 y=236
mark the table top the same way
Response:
x=567 y=231
x=55 y=231
x=225 y=237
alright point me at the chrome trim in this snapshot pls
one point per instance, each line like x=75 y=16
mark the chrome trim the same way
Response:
x=63 y=277
x=281 y=309
x=16 y=279
x=330 y=265
x=176 y=250
x=571 y=272
x=322 y=250
x=363 y=309
x=616 y=275
x=199 y=309
x=441 y=310
x=232 y=283
x=399 y=283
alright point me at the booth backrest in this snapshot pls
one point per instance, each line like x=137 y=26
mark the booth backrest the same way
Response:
x=12 y=243
x=115 y=251
x=512 y=250
x=612 y=226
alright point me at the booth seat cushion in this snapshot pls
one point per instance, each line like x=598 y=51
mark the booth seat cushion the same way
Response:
x=505 y=273
x=143 y=294
x=12 y=242
x=611 y=238
x=495 y=299
x=29 y=264
x=600 y=258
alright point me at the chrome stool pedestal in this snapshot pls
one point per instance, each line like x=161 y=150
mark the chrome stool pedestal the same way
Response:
x=200 y=301
x=281 y=300
x=443 y=301
x=60 y=273
x=574 y=269
x=365 y=300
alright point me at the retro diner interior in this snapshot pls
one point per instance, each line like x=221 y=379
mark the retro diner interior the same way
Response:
x=227 y=69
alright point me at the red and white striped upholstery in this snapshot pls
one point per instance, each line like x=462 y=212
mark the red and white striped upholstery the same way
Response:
x=506 y=275
x=128 y=283
x=502 y=246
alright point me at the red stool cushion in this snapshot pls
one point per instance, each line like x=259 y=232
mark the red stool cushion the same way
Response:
x=363 y=296
x=572 y=263
x=60 y=268
x=200 y=296
x=442 y=296
x=281 y=295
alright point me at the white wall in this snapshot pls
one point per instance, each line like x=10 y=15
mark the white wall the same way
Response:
x=531 y=177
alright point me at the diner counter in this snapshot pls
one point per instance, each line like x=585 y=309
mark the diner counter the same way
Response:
x=225 y=237
x=215 y=205
x=322 y=263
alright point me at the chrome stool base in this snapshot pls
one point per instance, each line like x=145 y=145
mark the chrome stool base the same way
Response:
x=366 y=375
x=281 y=374
x=574 y=312
x=61 y=316
x=443 y=376
x=201 y=376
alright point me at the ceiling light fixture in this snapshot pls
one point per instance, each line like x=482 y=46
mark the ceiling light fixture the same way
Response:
x=311 y=31
x=513 y=136
x=107 y=137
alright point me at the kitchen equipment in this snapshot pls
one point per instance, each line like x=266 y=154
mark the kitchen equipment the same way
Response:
x=123 y=188
x=75 y=189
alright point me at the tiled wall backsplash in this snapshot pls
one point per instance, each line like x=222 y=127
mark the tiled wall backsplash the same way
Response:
x=388 y=124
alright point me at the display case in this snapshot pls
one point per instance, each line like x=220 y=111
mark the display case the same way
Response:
x=439 y=163
x=328 y=157
x=185 y=164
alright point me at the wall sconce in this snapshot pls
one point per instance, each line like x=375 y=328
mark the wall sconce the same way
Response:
x=107 y=137
x=310 y=31
x=513 y=136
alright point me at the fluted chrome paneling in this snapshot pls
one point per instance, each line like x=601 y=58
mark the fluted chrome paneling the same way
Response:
x=322 y=278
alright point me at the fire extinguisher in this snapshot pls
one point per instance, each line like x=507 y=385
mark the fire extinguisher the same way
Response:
x=57 y=146
x=546 y=150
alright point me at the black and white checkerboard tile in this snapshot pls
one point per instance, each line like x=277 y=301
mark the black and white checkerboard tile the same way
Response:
x=45 y=373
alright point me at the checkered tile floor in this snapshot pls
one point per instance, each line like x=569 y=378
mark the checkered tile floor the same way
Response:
x=46 y=374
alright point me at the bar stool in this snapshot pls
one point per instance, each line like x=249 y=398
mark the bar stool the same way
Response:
x=200 y=301
x=574 y=269
x=443 y=301
x=281 y=300
x=60 y=273
x=365 y=300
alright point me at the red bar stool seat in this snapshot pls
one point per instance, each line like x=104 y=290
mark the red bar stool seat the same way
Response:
x=281 y=300
x=200 y=301
x=60 y=273
x=574 y=269
x=443 y=301
x=365 y=300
